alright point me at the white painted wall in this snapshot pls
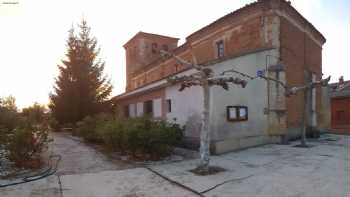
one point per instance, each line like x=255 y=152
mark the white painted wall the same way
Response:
x=132 y=110
x=187 y=105
x=157 y=108
x=139 y=109
x=186 y=108
x=254 y=96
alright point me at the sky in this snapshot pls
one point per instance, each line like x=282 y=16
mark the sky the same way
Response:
x=33 y=35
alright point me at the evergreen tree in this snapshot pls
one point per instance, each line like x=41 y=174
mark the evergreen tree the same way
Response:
x=81 y=88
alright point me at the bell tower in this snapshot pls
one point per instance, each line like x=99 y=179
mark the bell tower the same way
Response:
x=143 y=49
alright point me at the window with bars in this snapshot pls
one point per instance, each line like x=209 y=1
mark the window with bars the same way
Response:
x=154 y=47
x=220 y=48
x=148 y=107
x=168 y=105
x=126 y=111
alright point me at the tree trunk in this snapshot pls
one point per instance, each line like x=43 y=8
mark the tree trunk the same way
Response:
x=306 y=110
x=205 y=135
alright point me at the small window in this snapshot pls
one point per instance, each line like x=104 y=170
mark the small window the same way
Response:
x=126 y=111
x=220 y=48
x=148 y=107
x=237 y=113
x=154 y=47
x=177 y=67
x=168 y=105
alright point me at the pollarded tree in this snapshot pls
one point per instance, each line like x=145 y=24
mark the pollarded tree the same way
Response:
x=205 y=78
x=81 y=88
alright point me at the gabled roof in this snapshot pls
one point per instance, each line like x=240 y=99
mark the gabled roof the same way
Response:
x=144 y=34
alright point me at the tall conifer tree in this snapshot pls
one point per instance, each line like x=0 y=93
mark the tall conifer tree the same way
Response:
x=81 y=88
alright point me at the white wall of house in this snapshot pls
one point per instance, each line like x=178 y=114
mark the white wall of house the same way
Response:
x=139 y=109
x=157 y=108
x=254 y=96
x=186 y=108
x=132 y=110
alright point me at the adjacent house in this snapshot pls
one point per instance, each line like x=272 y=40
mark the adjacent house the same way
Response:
x=340 y=107
x=259 y=36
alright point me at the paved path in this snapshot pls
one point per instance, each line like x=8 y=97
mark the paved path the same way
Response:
x=78 y=158
x=267 y=171
x=274 y=171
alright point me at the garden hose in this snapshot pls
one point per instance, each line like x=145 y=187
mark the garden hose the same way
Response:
x=48 y=172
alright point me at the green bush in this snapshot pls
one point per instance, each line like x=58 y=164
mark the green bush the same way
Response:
x=25 y=143
x=87 y=128
x=21 y=139
x=113 y=134
x=8 y=119
x=53 y=124
x=141 y=137
x=35 y=113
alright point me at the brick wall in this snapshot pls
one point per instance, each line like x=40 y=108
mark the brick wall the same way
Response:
x=240 y=36
x=299 y=52
x=250 y=28
x=140 y=52
x=340 y=115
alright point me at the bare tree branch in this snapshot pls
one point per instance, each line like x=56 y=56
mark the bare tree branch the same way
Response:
x=240 y=73
x=180 y=60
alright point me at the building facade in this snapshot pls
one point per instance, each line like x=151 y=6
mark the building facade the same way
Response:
x=260 y=36
x=340 y=108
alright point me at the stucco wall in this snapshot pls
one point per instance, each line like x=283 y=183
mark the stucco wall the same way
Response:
x=139 y=109
x=157 y=108
x=254 y=96
x=186 y=108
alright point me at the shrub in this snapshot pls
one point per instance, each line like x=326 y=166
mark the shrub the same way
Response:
x=25 y=144
x=8 y=118
x=21 y=139
x=54 y=125
x=87 y=128
x=160 y=138
x=35 y=113
x=113 y=134
x=142 y=136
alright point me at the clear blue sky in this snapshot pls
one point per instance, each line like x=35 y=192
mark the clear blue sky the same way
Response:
x=33 y=35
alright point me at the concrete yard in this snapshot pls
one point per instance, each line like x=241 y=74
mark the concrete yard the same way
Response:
x=268 y=171
x=78 y=157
